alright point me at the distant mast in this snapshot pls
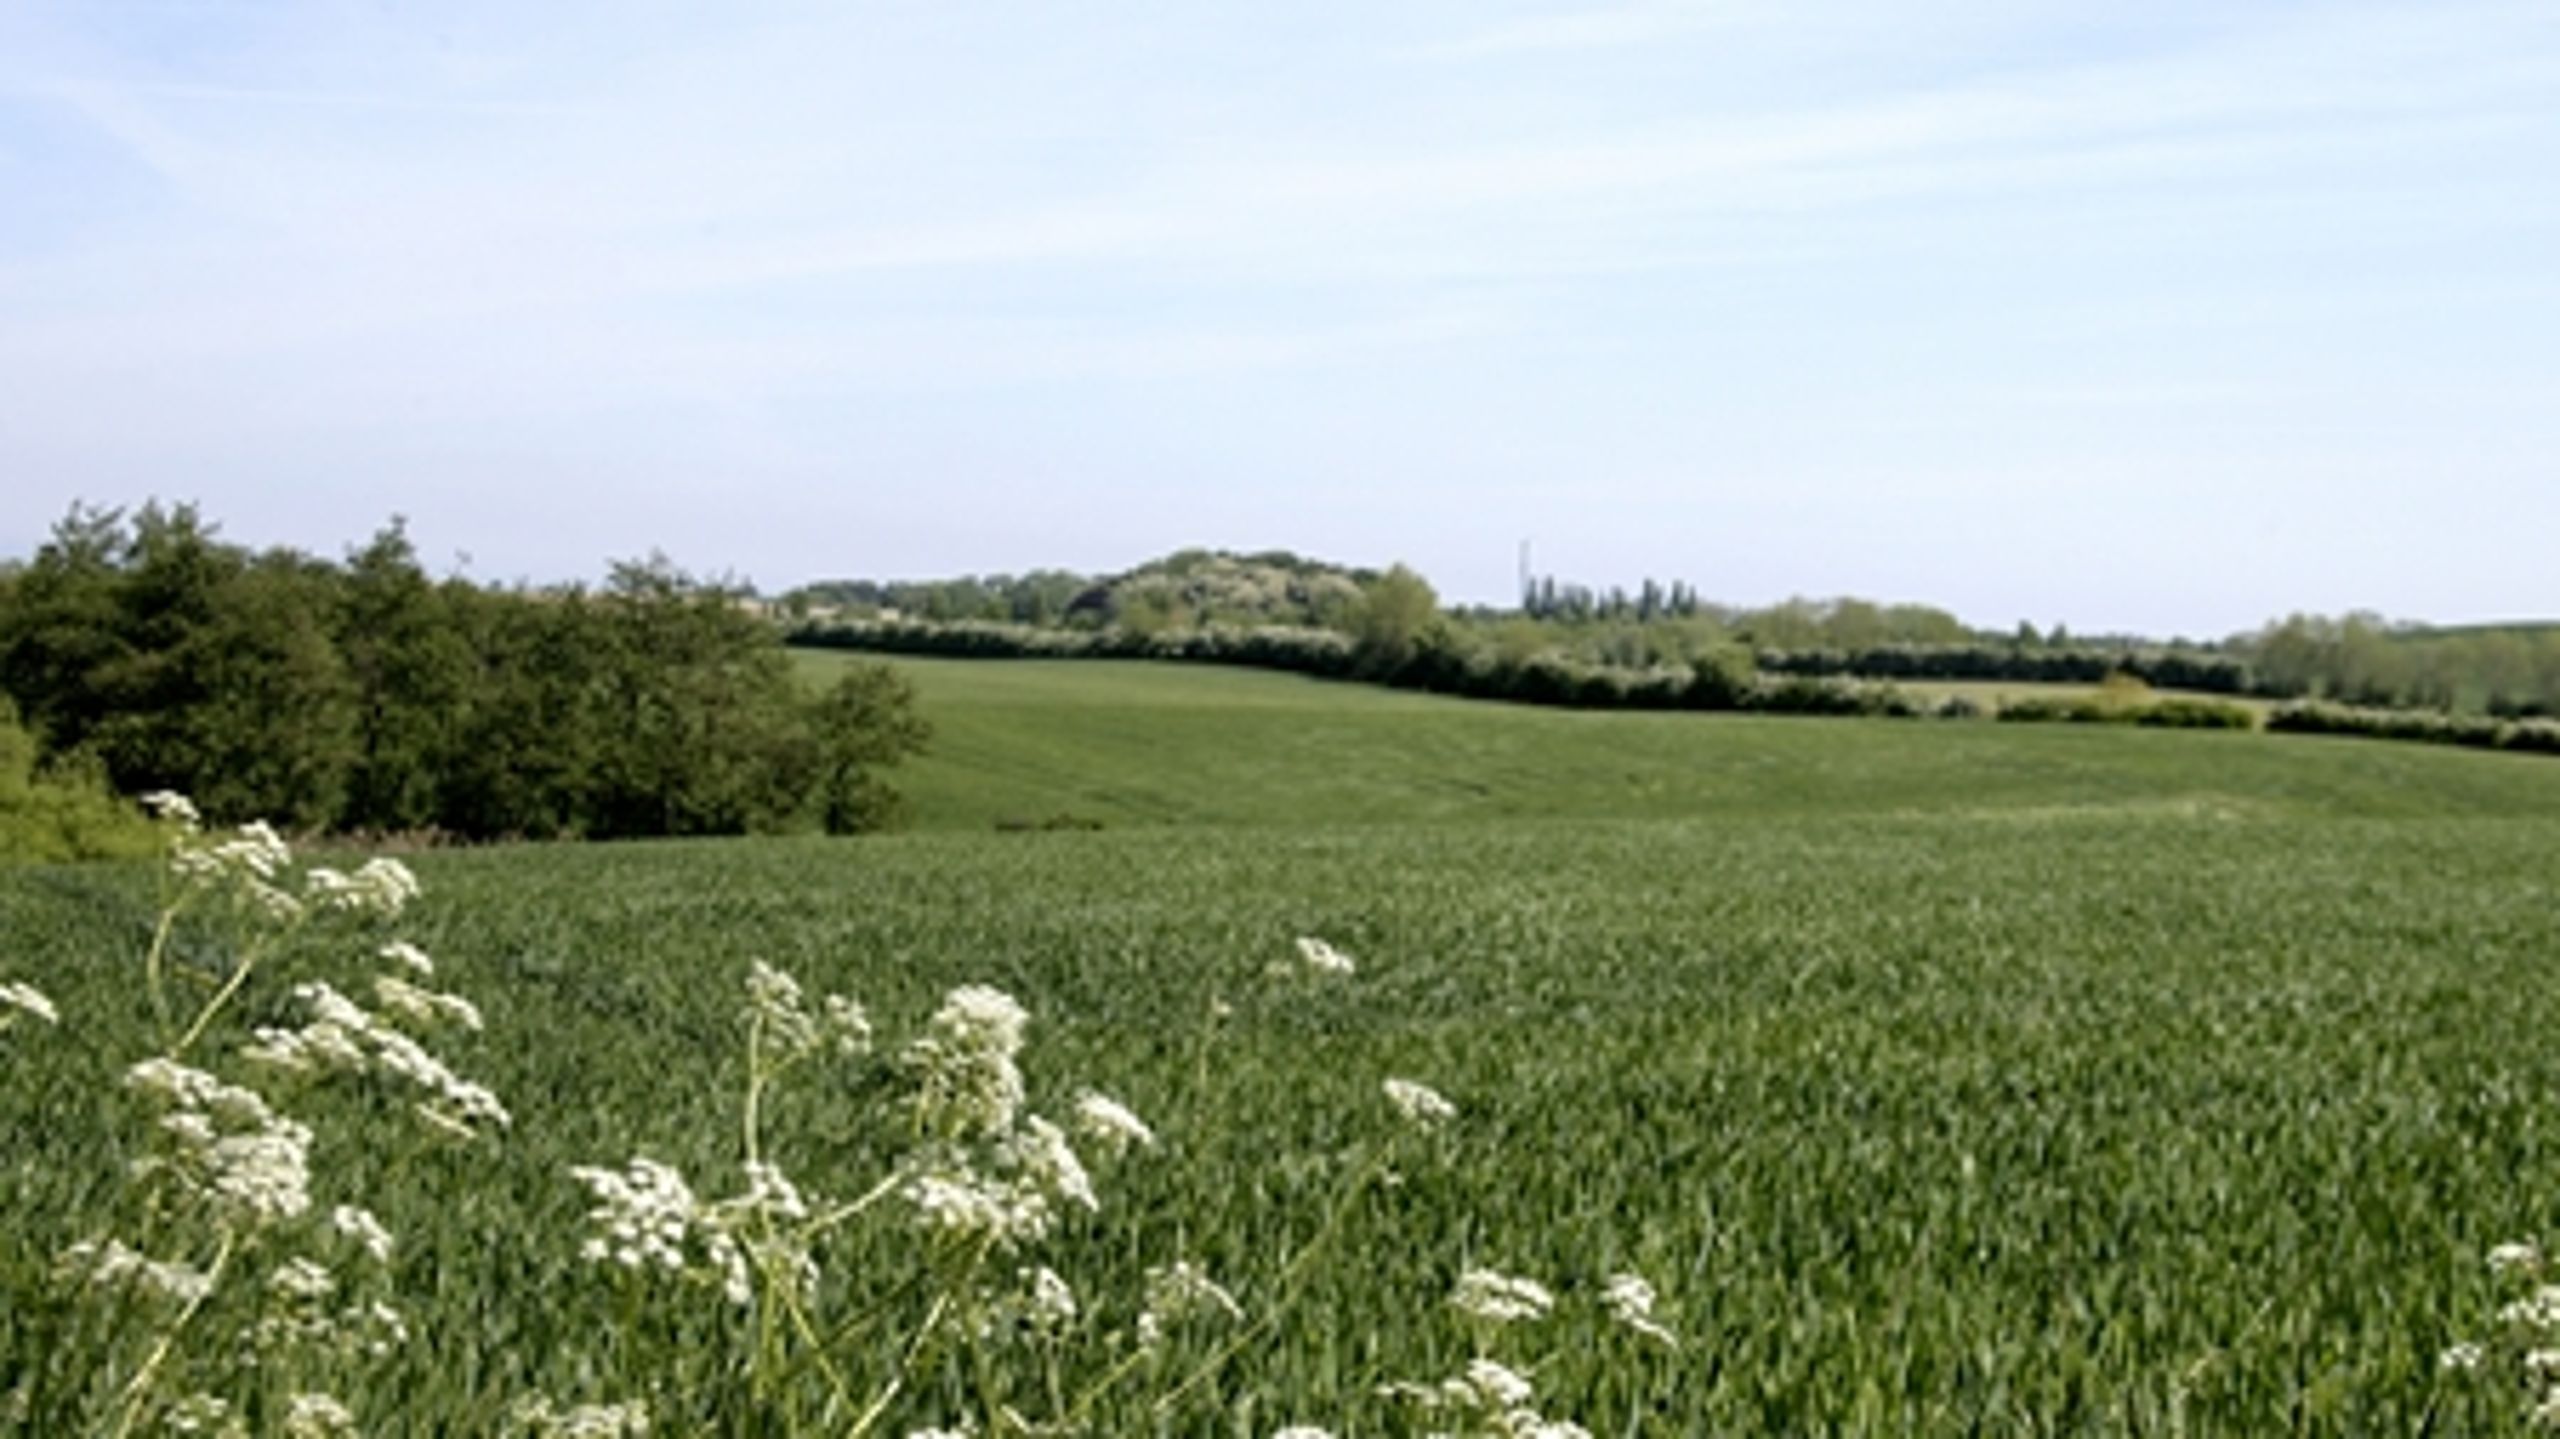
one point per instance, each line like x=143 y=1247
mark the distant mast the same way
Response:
x=1524 y=576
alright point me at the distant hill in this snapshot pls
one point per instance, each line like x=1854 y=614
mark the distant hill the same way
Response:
x=1187 y=587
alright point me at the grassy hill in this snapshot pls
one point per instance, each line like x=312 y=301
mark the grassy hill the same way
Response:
x=1150 y=744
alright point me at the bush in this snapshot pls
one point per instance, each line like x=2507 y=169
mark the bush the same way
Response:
x=60 y=811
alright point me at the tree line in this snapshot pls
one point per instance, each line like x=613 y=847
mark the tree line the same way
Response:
x=364 y=695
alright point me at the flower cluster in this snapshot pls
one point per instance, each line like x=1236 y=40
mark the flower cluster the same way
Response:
x=17 y=997
x=1489 y=1297
x=224 y=1146
x=1323 y=958
x=344 y=1037
x=788 y=1030
x=537 y=1419
x=1490 y=1401
x=1630 y=1300
x=2526 y=1346
x=1420 y=1104
x=110 y=1266
x=1180 y=1292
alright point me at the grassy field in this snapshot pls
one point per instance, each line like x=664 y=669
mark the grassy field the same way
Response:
x=1947 y=1078
x=1132 y=743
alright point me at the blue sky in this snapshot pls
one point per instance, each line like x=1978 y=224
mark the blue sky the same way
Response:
x=2165 y=317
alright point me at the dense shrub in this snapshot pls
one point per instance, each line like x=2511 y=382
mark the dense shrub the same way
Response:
x=2158 y=713
x=63 y=810
x=2020 y=664
x=366 y=696
x=1442 y=660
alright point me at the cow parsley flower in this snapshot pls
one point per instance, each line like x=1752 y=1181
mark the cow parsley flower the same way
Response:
x=366 y=1232
x=1039 y=1150
x=1178 y=1292
x=380 y=887
x=225 y=1145
x=2509 y=1258
x=317 y=1416
x=173 y=807
x=1420 y=1104
x=1630 y=1301
x=26 y=999
x=1496 y=1298
x=1109 y=1123
x=112 y=1266
x=966 y=1062
x=644 y=1213
x=202 y=1414
x=424 y=1006
x=1323 y=958
x=1494 y=1398
x=409 y=957
x=536 y=1417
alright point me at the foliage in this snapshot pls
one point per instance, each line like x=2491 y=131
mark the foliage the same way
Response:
x=365 y=696
x=2171 y=713
x=62 y=810
x=1401 y=644
x=2535 y=736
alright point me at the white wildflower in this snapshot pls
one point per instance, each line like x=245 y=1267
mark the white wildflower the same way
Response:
x=1496 y=1298
x=263 y=1177
x=26 y=999
x=644 y=1214
x=1419 y=1103
x=938 y=1433
x=202 y=1414
x=537 y=1418
x=317 y=1416
x=302 y=1280
x=848 y=1026
x=409 y=957
x=2542 y=1361
x=1181 y=1291
x=228 y=1147
x=425 y=1006
x=380 y=886
x=113 y=1266
x=954 y=1201
x=168 y=804
x=1049 y=1302
x=1630 y=1301
x=775 y=1006
x=1041 y=1152
x=2463 y=1356
x=1323 y=958
x=1109 y=1123
x=2508 y=1258
x=1496 y=1385
x=2540 y=1309
x=359 y=1225
x=1495 y=1398
x=1302 y=1431
x=965 y=1061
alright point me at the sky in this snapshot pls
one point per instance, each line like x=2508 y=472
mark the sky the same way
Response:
x=2164 y=318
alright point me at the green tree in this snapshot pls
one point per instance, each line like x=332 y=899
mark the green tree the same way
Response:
x=863 y=723
x=1397 y=616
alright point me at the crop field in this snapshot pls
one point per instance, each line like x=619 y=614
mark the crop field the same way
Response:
x=1943 y=1078
x=1133 y=743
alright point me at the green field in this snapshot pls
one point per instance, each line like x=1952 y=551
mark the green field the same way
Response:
x=1946 y=1077
x=1133 y=743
